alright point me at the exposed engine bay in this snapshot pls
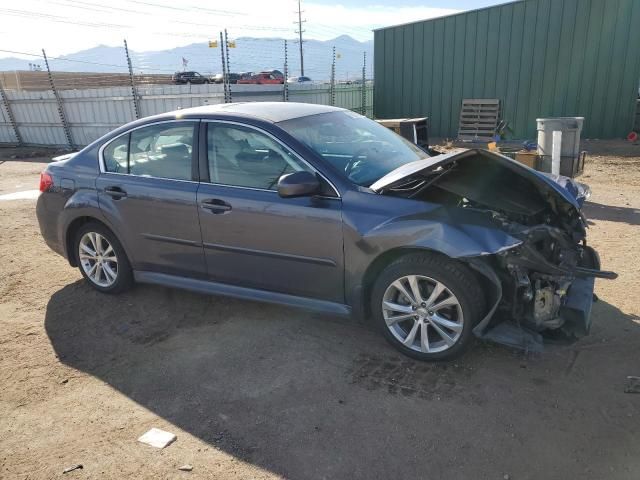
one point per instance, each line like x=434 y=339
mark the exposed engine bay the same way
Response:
x=546 y=282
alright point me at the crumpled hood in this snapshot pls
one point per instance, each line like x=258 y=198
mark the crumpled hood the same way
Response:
x=542 y=182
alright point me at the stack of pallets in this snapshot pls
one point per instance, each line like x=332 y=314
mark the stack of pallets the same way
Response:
x=479 y=119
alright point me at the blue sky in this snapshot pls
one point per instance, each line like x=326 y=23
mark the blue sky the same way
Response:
x=457 y=4
x=66 y=26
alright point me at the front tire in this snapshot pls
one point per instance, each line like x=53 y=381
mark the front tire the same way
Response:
x=426 y=306
x=101 y=259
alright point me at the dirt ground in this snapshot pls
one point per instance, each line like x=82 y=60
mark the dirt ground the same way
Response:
x=260 y=391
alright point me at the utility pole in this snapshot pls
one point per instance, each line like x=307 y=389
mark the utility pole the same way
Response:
x=299 y=32
x=134 y=93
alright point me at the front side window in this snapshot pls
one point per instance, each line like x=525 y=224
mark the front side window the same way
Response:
x=163 y=150
x=244 y=157
x=362 y=149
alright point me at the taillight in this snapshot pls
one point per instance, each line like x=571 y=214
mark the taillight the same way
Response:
x=46 y=182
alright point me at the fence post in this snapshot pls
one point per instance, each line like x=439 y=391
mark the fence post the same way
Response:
x=332 y=88
x=285 y=88
x=364 y=84
x=134 y=93
x=226 y=49
x=12 y=120
x=224 y=70
x=63 y=118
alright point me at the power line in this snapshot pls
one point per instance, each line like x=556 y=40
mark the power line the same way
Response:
x=252 y=27
x=191 y=8
x=64 y=59
x=67 y=20
x=57 y=18
x=76 y=61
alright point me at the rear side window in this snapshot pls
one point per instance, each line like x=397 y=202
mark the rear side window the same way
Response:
x=163 y=151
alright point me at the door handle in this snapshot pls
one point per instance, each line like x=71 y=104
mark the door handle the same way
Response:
x=115 y=192
x=215 y=205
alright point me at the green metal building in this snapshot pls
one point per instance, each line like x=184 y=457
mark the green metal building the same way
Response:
x=541 y=58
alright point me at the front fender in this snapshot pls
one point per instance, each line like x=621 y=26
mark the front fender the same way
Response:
x=383 y=227
x=455 y=240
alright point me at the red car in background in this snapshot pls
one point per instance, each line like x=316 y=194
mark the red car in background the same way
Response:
x=262 y=78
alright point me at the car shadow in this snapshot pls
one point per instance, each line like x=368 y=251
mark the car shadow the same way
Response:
x=313 y=396
x=609 y=213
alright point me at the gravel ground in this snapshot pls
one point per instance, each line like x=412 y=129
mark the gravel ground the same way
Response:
x=260 y=391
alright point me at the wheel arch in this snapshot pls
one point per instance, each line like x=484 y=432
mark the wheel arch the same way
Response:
x=70 y=234
x=363 y=293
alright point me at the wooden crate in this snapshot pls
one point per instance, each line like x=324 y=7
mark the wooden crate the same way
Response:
x=479 y=119
x=530 y=159
x=416 y=130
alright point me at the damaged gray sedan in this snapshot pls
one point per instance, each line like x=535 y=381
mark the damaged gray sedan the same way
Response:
x=321 y=208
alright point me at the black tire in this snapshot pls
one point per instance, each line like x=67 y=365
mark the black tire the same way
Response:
x=124 y=274
x=456 y=277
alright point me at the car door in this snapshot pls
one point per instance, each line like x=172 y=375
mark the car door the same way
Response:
x=254 y=238
x=147 y=191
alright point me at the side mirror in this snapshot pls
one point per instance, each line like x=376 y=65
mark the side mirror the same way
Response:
x=298 y=184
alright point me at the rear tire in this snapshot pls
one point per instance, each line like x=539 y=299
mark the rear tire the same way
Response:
x=426 y=306
x=101 y=259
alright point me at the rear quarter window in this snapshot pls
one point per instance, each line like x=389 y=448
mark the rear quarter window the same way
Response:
x=115 y=155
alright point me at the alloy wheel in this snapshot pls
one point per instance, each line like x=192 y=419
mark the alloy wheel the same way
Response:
x=422 y=314
x=98 y=259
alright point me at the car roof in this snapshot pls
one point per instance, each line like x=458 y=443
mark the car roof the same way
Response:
x=269 y=111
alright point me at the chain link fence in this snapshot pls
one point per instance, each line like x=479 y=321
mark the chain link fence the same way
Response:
x=55 y=104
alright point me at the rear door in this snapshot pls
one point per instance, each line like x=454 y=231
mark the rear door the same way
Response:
x=147 y=191
x=254 y=238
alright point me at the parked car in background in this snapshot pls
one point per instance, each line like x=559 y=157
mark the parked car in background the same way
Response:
x=275 y=73
x=319 y=207
x=299 y=80
x=245 y=75
x=233 y=78
x=182 y=78
x=247 y=80
x=262 y=78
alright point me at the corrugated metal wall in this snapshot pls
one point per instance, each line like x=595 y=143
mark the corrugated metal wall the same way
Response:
x=541 y=58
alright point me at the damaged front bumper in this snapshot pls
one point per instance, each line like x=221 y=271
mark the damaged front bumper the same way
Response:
x=543 y=277
x=558 y=315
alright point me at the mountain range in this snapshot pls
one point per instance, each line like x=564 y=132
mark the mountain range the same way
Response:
x=249 y=54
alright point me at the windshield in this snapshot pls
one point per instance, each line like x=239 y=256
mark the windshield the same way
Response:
x=361 y=148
